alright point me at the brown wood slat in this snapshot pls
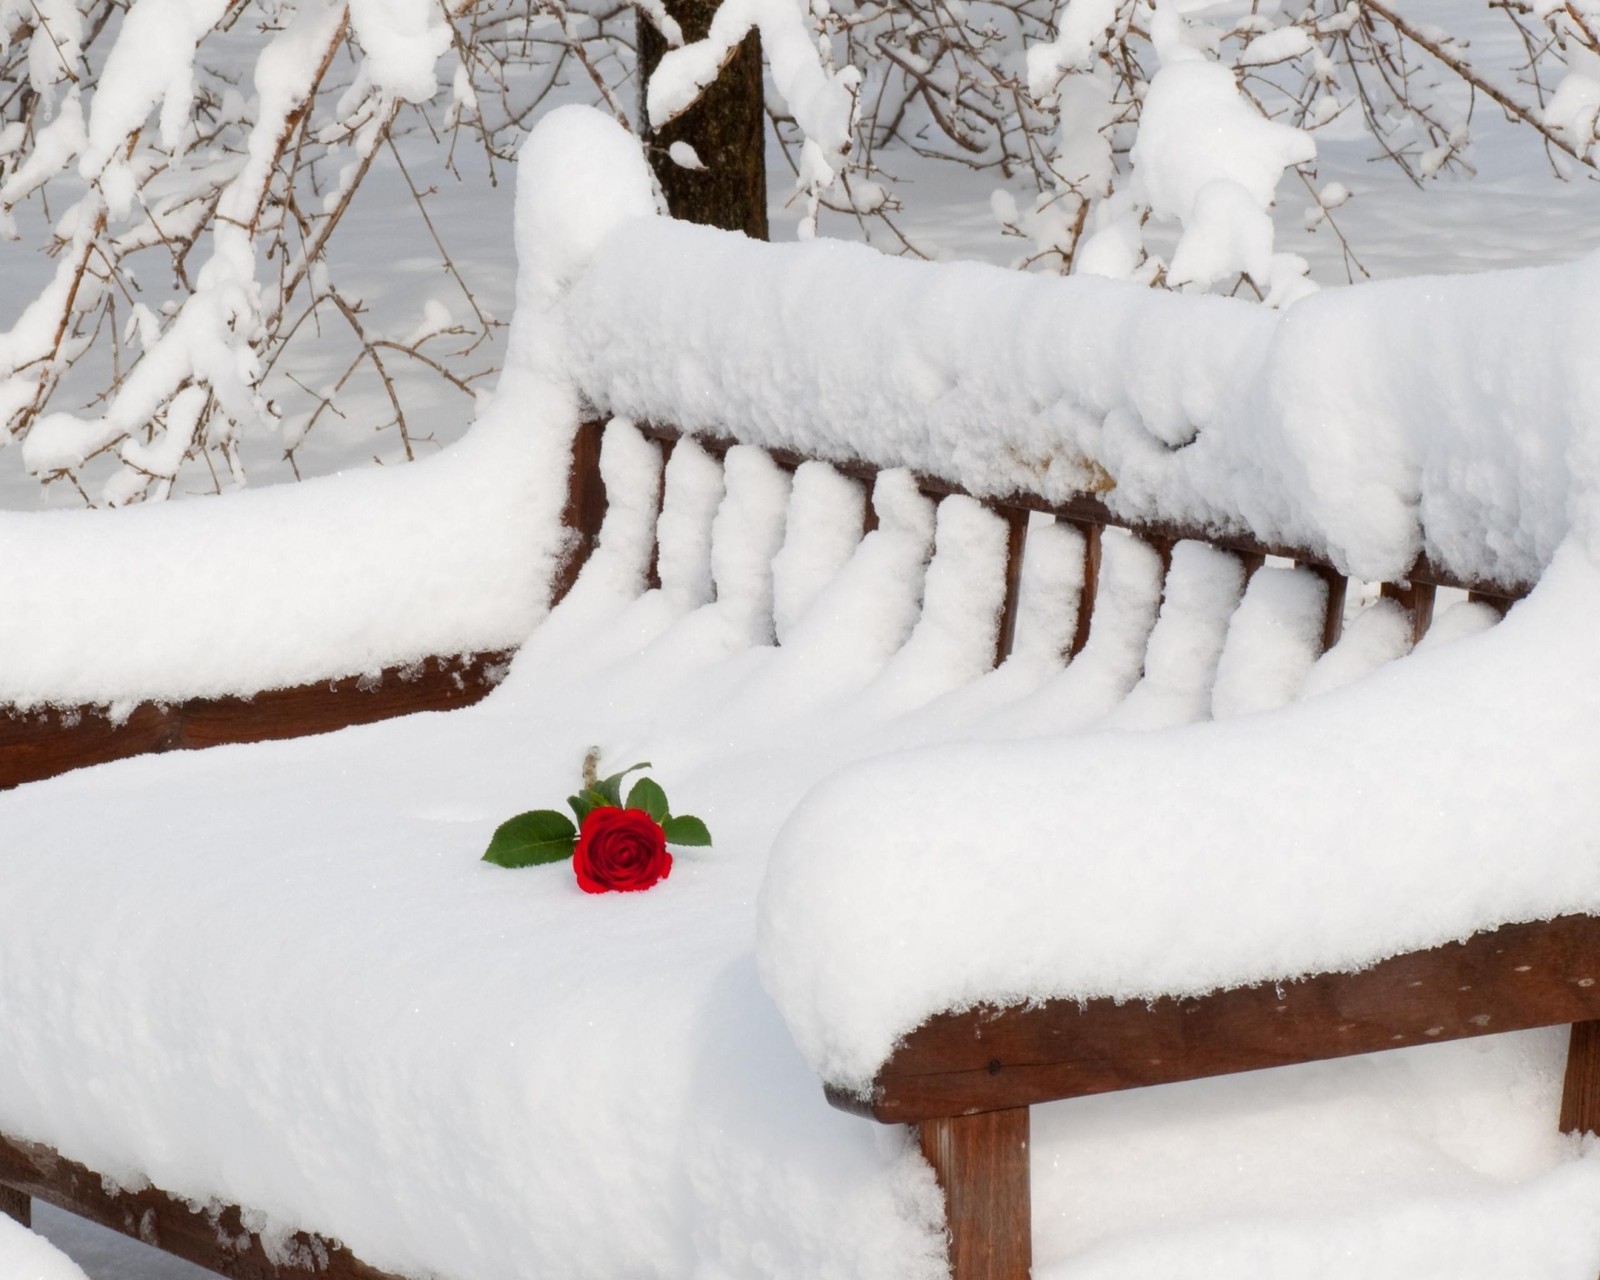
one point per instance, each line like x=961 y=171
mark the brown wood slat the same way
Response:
x=652 y=575
x=40 y=744
x=1089 y=590
x=1416 y=598
x=1016 y=547
x=1507 y=979
x=1580 y=1098
x=981 y=1162
x=35 y=745
x=1333 y=607
x=168 y=1223
x=16 y=1205
x=585 y=511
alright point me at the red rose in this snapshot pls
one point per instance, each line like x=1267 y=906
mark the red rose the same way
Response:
x=622 y=849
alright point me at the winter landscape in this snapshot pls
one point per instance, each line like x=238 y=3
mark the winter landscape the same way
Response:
x=291 y=398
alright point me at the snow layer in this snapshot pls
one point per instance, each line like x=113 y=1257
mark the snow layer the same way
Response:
x=1366 y=422
x=351 y=1024
x=1416 y=806
x=26 y=1256
x=342 y=575
x=283 y=586
x=281 y=976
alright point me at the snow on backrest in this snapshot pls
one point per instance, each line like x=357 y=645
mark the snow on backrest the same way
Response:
x=1351 y=425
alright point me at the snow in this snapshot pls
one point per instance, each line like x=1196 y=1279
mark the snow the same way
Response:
x=1207 y=158
x=281 y=976
x=402 y=39
x=26 y=1256
x=821 y=100
x=350 y=1023
x=1450 y=833
x=1202 y=410
x=1273 y=639
x=344 y=575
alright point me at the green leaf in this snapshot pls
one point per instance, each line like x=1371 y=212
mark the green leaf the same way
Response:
x=529 y=839
x=684 y=829
x=647 y=794
x=583 y=804
x=610 y=789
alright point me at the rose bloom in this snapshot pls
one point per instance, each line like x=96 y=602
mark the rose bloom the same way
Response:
x=622 y=849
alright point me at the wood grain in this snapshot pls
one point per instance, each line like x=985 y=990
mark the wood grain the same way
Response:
x=1510 y=979
x=1090 y=589
x=214 y=1239
x=585 y=510
x=1016 y=547
x=1580 y=1098
x=40 y=744
x=16 y=1205
x=981 y=1162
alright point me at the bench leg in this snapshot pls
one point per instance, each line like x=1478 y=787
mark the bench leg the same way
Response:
x=982 y=1164
x=16 y=1204
x=1580 y=1099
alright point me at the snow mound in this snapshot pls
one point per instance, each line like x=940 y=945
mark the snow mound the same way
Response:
x=26 y=1256
x=1416 y=806
x=1366 y=423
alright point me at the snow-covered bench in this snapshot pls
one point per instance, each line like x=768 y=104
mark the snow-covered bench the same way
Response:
x=459 y=1071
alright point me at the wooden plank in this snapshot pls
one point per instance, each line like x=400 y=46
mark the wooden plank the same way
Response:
x=1580 y=1098
x=1508 y=979
x=1416 y=598
x=1016 y=546
x=1333 y=607
x=435 y=684
x=981 y=1162
x=585 y=511
x=1090 y=589
x=217 y=1241
x=41 y=744
x=652 y=574
x=17 y=1205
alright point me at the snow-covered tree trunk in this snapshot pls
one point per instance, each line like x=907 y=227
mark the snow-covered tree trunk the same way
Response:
x=710 y=160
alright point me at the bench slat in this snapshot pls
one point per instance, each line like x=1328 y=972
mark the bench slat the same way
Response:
x=1016 y=545
x=1087 y=509
x=16 y=1205
x=1512 y=978
x=169 y=1224
x=1580 y=1098
x=40 y=744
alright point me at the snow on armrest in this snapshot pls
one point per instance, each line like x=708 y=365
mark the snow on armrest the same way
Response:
x=1415 y=807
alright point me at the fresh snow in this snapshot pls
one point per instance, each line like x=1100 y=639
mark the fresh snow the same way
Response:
x=292 y=983
x=27 y=1256
x=1207 y=410
x=279 y=975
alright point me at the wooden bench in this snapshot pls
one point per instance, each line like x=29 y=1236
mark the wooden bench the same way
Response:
x=965 y=1080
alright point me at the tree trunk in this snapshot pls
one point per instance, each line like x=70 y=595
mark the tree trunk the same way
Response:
x=726 y=128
